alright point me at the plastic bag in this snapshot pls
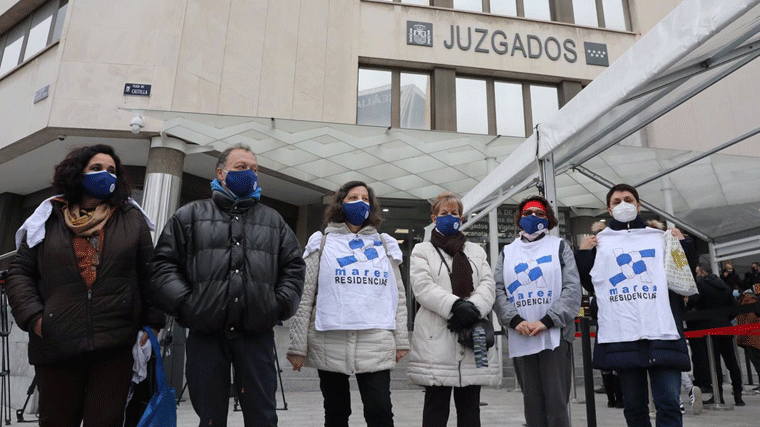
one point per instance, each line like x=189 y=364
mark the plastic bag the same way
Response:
x=162 y=408
x=679 y=276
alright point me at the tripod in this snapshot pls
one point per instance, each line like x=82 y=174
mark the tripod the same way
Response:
x=5 y=358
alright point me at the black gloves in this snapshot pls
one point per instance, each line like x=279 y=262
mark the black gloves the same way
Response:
x=464 y=314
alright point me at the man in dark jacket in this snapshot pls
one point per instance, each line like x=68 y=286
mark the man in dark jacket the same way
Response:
x=752 y=277
x=713 y=293
x=229 y=269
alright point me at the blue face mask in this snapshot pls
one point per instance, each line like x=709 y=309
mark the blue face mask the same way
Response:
x=241 y=183
x=99 y=185
x=448 y=224
x=532 y=223
x=356 y=212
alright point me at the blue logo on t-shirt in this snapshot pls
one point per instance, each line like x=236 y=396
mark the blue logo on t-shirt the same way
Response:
x=631 y=264
x=528 y=272
x=358 y=245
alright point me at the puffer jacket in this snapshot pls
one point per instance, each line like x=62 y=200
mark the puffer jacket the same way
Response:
x=227 y=265
x=437 y=359
x=347 y=352
x=44 y=281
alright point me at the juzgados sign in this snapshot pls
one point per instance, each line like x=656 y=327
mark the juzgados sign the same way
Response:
x=484 y=40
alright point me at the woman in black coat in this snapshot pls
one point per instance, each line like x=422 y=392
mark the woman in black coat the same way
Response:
x=78 y=285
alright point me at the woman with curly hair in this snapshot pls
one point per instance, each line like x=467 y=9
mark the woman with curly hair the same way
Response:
x=78 y=285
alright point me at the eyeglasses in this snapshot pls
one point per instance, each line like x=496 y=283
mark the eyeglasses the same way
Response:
x=538 y=213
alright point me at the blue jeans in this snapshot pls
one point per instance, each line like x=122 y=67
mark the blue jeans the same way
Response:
x=666 y=390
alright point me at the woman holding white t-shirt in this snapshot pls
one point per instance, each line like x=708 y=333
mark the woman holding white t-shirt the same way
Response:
x=538 y=295
x=640 y=329
x=352 y=315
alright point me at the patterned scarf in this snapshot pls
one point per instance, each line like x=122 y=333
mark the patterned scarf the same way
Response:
x=89 y=233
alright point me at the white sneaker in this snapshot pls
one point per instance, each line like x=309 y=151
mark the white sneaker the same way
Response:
x=695 y=399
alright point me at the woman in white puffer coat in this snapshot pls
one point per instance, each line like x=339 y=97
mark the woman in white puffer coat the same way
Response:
x=352 y=315
x=454 y=286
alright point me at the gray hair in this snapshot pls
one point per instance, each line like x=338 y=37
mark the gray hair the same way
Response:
x=706 y=266
x=222 y=161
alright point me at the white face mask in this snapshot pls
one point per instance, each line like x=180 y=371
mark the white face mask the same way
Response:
x=624 y=212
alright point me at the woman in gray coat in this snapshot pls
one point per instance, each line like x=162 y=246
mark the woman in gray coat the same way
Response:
x=538 y=295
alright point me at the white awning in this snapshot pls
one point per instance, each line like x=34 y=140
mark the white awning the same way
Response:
x=697 y=44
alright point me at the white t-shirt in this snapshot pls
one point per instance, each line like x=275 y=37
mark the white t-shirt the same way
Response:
x=631 y=288
x=357 y=286
x=533 y=280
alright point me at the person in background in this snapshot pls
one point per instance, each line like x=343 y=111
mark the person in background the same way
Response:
x=229 y=269
x=453 y=284
x=713 y=293
x=79 y=285
x=731 y=278
x=538 y=296
x=750 y=343
x=352 y=317
x=752 y=277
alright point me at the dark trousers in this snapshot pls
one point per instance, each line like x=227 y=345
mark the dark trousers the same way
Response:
x=666 y=390
x=375 y=391
x=91 y=387
x=435 y=412
x=545 y=381
x=753 y=355
x=208 y=377
x=723 y=346
x=700 y=364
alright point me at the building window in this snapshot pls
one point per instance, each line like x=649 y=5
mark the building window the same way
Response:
x=470 y=5
x=605 y=13
x=614 y=15
x=585 y=13
x=537 y=9
x=405 y=104
x=37 y=31
x=472 y=106
x=510 y=110
x=504 y=7
x=488 y=106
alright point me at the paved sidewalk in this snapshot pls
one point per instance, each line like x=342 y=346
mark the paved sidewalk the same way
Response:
x=504 y=408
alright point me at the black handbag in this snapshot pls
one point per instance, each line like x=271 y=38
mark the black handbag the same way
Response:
x=465 y=335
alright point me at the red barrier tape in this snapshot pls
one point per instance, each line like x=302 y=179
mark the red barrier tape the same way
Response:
x=751 y=329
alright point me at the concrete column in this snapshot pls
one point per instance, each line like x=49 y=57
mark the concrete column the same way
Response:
x=444 y=99
x=567 y=90
x=163 y=180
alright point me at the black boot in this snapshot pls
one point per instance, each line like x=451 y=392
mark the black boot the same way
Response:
x=738 y=397
x=618 y=391
x=609 y=388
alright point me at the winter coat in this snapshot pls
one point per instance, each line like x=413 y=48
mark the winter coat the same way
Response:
x=45 y=281
x=227 y=265
x=437 y=359
x=713 y=293
x=641 y=353
x=564 y=309
x=347 y=352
